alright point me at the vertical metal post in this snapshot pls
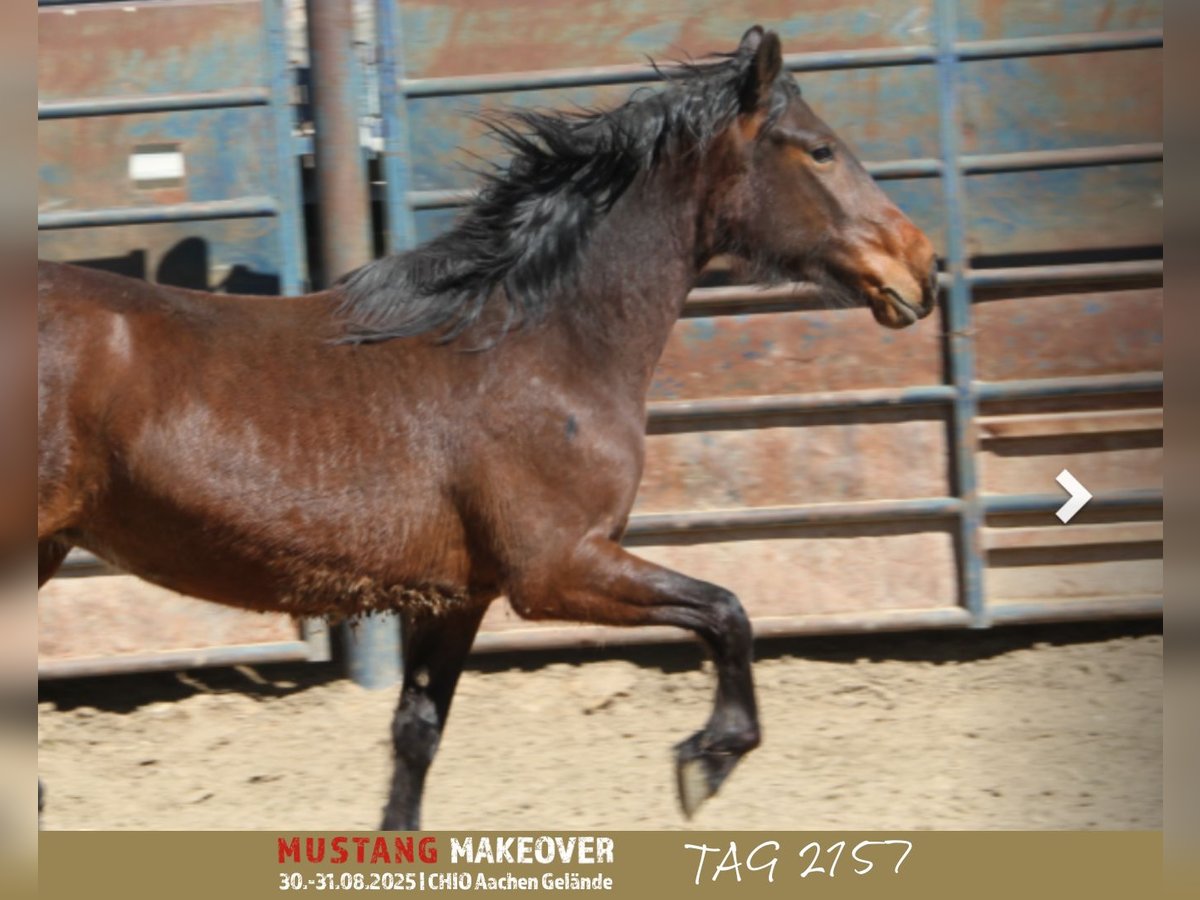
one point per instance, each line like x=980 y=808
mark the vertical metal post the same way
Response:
x=960 y=345
x=342 y=198
x=286 y=165
x=372 y=643
x=393 y=106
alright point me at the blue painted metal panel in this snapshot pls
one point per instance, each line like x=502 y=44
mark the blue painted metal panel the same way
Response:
x=206 y=80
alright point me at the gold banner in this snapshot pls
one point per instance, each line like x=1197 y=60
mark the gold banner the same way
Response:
x=214 y=865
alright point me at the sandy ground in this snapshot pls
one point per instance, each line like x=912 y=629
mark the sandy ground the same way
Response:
x=1020 y=728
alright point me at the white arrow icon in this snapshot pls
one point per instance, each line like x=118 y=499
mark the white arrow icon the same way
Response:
x=1079 y=496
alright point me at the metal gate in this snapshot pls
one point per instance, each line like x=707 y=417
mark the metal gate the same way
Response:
x=836 y=476
x=166 y=150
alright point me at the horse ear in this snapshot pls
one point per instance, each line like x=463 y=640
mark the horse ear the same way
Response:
x=751 y=39
x=764 y=68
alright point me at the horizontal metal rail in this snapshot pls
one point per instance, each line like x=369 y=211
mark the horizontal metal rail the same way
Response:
x=995 y=284
x=1083 y=386
x=80 y=107
x=1073 y=158
x=666 y=412
x=1030 y=612
x=1006 y=504
x=817 y=61
x=197 y=211
x=979 y=164
x=1104 y=274
x=662 y=414
x=815 y=514
x=1060 y=44
x=741 y=520
x=554 y=637
x=172 y=660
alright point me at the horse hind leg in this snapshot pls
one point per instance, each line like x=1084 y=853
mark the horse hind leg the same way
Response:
x=606 y=585
x=435 y=647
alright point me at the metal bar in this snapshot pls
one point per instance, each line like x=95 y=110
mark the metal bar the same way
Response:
x=904 y=168
x=1016 y=504
x=169 y=660
x=665 y=524
x=556 y=637
x=1086 y=609
x=153 y=103
x=293 y=273
x=1074 y=158
x=1044 y=388
x=665 y=412
x=373 y=642
x=1101 y=274
x=316 y=634
x=196 y=211
x=958 y=346
x=1060 y=44
x=589 y=76
x=397 y=174
x=743 y=299
x=345 y=212
x=819 y=61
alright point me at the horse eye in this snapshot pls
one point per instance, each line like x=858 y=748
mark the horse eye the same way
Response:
x=822 y=154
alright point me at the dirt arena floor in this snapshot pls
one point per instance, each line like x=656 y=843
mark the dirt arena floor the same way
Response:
x=1033 y=728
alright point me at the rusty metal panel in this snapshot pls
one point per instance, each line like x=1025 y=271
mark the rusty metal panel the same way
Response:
x=1065 y=210
x=831 y=569
x=884 y=114
x=103 y=615
x=820 y=571
x=85 y=163
x=793 y=352
x=121 y=49
x=238 y=256
x=773 y=463
x=1082 y=100
x=1068 y=575
x=474 y=37
x=128 y=89
x=992 y=19
x=1070 y=335
x=1112 y=462
x=165 y=153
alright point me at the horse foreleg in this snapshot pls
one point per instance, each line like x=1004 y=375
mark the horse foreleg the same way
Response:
x=604 y=584
x=435 y=648
x=51 y=553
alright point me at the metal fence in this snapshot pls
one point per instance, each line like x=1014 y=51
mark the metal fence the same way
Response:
x=961 y=391
x=958 y=395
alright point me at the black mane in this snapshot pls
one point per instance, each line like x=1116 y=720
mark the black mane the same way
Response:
x=526 y=229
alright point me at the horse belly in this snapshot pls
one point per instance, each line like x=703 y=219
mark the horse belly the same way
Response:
x=310 y=554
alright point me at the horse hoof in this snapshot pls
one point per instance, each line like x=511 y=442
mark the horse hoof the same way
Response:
x=692 y=785
x=699 y=773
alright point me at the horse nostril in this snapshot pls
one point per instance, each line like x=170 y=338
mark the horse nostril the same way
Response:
x=933 y=285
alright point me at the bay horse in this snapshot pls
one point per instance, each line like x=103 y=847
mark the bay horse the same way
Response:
x=466 y=420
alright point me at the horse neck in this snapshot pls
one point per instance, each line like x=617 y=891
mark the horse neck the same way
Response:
x=641 y=261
